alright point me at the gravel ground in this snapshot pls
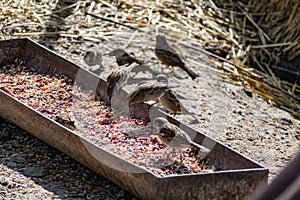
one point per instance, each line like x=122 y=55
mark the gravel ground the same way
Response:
x=231 y=114
x=30 y=169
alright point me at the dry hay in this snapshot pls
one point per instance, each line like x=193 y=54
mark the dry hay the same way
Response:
x=228 y=33
x=270 y=31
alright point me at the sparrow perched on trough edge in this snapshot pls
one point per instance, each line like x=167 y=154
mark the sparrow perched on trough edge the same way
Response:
x=169 y=56
x=124 y=58
x=147 y=91
x=92 y=57
x=174 y=137
x=170 y=102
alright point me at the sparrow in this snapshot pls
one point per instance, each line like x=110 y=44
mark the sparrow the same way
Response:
x=169 y=57
x=175 y=137
x=170 y=99
x=170 y=102
x=115 y=80
x=92 y=57
x=147 y=91
x=124 y=58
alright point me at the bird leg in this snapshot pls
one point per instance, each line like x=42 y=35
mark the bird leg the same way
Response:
x=181 y=157
x=169 y=154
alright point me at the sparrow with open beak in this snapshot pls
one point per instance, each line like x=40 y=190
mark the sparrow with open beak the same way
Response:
x=169 y=56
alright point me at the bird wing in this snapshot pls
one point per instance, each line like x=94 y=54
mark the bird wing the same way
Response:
x=153 y=90
x=169 y=57
x=170 y=102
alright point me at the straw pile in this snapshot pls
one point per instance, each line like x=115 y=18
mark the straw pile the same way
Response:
x=270 y=31
x=235 y=36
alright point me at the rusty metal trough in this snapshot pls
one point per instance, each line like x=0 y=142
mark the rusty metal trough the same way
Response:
x=238 y=178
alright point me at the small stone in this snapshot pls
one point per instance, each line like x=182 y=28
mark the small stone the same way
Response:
x=11 y=164
x=286 y=121
x=19 y=159
x=238 y=111
x=248 y=92
x=228 y=132
x=34 y=171
x=120 y=194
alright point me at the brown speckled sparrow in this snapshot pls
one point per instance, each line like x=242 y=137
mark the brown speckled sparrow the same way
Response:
x=147 y=91
x=174 y=137
x=170 y=102
x=124 y=58
x=169 y=56
x=92 y=57
x=116 y=79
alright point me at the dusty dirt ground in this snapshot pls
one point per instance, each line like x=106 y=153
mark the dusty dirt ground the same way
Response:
x=228 y=113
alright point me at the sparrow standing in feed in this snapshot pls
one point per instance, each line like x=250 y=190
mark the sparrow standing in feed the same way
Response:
x=169 y=56
x=147 y=91
x=124 y=58
x=174 y=137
